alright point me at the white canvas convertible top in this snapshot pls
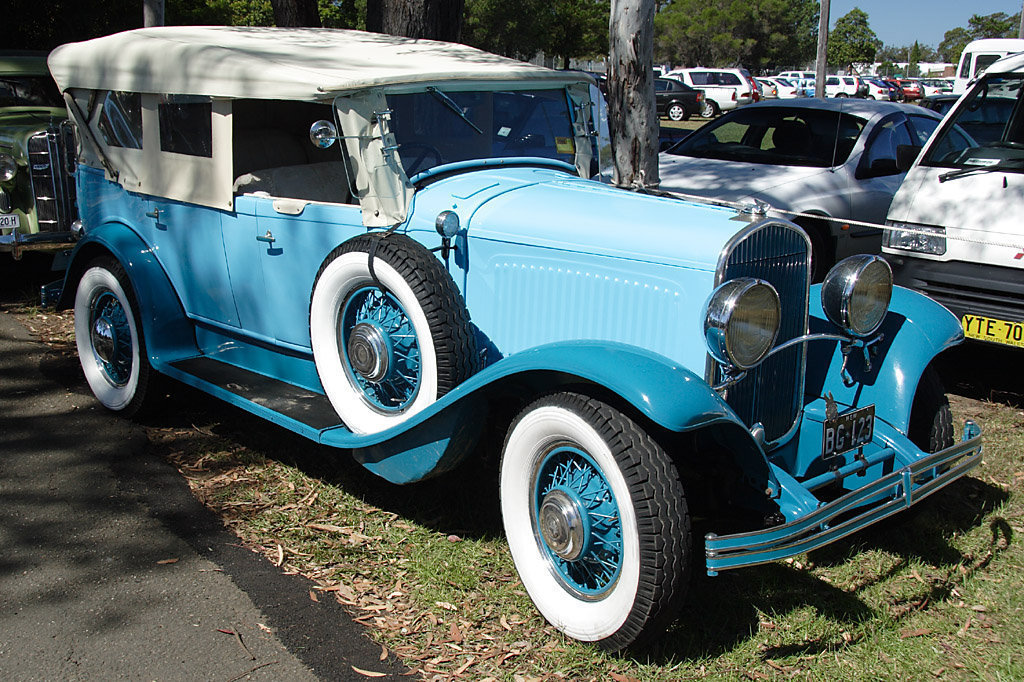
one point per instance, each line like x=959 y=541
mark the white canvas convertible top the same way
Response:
x=275 y=63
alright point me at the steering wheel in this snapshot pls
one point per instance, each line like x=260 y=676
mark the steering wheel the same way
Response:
x=425 y=150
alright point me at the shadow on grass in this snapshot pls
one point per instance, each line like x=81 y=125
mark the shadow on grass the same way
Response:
x=720 y=613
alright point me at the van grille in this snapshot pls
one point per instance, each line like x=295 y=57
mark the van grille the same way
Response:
x=772 y=392
x=51 y=160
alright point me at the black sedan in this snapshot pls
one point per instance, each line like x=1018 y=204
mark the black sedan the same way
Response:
x=676 y=101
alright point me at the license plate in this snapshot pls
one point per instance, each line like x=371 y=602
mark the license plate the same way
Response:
x=848 y=431
x=10 y=220
x=991 y=329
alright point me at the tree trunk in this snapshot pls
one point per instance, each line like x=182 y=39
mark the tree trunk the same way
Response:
x=632 y=114
x=152 y=13
x=296 y=12
x=434 y=19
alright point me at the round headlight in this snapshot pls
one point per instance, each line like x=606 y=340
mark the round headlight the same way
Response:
x=8 y=167
x=856 y=293
x=741 y=321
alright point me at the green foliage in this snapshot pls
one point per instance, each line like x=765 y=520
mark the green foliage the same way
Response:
x=343 y=13
x=852 y=40
x=762 y=36
x=561 y=28
x=995 y=25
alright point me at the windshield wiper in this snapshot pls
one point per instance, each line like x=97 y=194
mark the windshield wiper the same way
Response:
x=960 y=172
x=450 y=103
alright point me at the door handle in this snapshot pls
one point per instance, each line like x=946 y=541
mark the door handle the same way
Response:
x=268 y=238
x=155 y=213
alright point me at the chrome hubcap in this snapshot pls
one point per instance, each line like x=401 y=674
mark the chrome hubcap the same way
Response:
x=369 y=352
x=102 y=336
x=561 y=525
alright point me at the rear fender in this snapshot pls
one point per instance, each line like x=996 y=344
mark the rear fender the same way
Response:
x=168 y=332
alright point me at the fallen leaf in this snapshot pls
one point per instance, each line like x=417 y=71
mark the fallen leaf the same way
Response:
x=622 y=678
x=329 y=527
x=280 y=556
x=446 y=605
x=455 y=633
x=369 y=673
x=916 y=632
x=312 y=595
x=383 y=653
x=167 y=561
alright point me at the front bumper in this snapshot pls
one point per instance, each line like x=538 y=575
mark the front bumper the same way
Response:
x=858 y=509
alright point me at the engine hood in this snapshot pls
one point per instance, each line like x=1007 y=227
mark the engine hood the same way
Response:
x=17 y=124
x=548 y=208
x=734 y=180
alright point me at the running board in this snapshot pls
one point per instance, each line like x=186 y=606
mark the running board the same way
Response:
x=297 y=409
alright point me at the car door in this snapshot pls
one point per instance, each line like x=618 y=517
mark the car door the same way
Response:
x=876 y=176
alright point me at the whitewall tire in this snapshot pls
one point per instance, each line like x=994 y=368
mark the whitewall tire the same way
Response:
x=596 y=520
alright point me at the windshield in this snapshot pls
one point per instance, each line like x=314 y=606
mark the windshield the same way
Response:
x=986 y=129
x=29 y=91
x=776 y=135
x=444 y=126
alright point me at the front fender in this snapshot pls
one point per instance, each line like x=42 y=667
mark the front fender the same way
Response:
x=915 y=331
x=664 y=392
x=168 y=333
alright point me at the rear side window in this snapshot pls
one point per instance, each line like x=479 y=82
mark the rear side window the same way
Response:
x=728 y=78
x=701 y=78
x=186 y=125
x=120 y=121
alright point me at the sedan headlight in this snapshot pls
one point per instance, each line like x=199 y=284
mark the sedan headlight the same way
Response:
x=741 y=321
x=919 y=238
x=856 y=293
x=8 y=167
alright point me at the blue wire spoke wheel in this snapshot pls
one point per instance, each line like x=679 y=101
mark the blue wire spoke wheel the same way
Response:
x=596 y=520
x=579 y=521
x=380 y=346
x=110 y=343
x=388 y=343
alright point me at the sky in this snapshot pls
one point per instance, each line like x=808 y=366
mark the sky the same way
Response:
x=901 y=22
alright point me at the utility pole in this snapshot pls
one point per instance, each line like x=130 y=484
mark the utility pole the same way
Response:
x=1020 y=31
x=152 y=13
x=822 y=56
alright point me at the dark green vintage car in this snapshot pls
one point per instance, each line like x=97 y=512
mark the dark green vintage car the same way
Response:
x=37 y=192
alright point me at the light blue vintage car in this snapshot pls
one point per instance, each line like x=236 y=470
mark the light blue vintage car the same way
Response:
x=386 y=244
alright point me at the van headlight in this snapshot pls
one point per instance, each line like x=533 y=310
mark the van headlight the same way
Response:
x=741 y=321
x=856 y=293
x=8 y=167
x=918 y=238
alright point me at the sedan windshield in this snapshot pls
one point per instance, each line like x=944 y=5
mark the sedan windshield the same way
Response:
x=444 y=126
x=776 y=135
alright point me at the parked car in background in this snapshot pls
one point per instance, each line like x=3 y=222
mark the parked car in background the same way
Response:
x=827 y=160
x=956 y=231
x=935 y=86
x=880 y=90
x=399 y=253
x=939 y=103
x=769 y=90
x=724 y=89
x=784 y=88
x=845 y=86
x=37 y=191
x=911 y=89
x=896 y=89
x=676 y=100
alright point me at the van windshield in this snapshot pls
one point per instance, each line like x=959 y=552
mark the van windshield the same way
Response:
x=442 y=126
x=985 y=130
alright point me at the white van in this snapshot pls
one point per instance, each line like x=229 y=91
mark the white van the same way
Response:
x=978 y=55
x=956 y=231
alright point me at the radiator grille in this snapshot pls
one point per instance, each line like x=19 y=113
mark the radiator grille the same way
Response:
x=772 y=393
x=51 y=158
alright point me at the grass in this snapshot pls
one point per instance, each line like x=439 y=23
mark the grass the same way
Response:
x=934 y=594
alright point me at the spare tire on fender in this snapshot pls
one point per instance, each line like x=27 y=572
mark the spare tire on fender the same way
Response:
x=389 y=338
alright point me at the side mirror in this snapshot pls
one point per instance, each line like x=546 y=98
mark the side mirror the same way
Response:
x=323 y=134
